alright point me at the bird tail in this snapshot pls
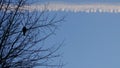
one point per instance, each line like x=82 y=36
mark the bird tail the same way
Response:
x=24 y=33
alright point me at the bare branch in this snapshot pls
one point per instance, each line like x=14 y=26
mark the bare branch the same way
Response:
x=26 y=51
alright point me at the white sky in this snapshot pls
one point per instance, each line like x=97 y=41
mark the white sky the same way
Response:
x=84 y=7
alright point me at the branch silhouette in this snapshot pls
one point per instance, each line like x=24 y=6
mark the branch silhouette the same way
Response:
x=22 y=34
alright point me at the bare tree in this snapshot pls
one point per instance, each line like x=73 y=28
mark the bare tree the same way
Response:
x=22 y=33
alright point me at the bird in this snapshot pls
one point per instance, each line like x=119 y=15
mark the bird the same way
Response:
x=24 y=29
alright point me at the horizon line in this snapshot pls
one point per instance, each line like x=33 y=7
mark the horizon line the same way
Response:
x=73 y=7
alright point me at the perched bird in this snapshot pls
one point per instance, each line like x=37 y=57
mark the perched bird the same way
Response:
x=24 y=29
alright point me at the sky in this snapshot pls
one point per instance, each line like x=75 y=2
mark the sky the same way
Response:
x=92 y=40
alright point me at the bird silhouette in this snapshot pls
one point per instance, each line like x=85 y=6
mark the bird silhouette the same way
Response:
x=24 y=29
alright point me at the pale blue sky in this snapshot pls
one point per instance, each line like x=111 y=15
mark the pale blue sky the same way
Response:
x=92 y=40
